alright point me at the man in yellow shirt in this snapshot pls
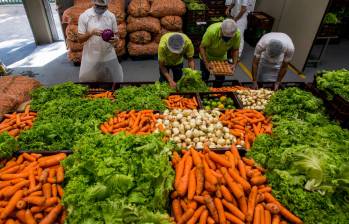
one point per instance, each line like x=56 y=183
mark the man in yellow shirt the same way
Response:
x=173 y=47
x=217 y=40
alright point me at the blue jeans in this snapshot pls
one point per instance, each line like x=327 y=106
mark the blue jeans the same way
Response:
x=206 y=75
x=176 y=71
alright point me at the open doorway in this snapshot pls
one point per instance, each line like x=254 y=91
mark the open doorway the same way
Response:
x=331 y=46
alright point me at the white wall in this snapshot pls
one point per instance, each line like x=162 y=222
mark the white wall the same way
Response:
x=300 y=19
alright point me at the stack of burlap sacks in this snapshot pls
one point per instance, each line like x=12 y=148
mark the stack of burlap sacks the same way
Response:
x=15 y=90
x=71 y=17
x=149 y=20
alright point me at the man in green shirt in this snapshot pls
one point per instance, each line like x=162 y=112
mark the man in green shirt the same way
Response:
x=173 y=47
x=218 y=39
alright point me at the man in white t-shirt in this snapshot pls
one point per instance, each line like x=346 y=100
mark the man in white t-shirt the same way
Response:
x=273 y=53
x=237 y=10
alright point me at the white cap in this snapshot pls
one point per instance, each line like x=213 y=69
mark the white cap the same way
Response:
x=100 y=2
x=229 y=28
x=176 y=43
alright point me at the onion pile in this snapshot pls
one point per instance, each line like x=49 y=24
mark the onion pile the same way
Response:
x=193 y=128
x=254 y=99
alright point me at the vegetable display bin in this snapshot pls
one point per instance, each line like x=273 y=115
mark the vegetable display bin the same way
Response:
x=231 y=95
x=190 y=95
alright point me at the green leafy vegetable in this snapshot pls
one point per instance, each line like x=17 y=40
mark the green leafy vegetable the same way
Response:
x=8 y=145
x=331 y=18
x=306 y=157
x=334 y=82
x=142 y=98
x=118 y=179
x=191 y=81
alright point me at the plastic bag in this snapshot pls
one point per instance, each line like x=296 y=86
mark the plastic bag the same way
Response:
x=72 y=14
x=158 y=36
x=172 y=23
x=161 y=8
x=140 y=37
x=75 y=46
x=149 y=24
x=75 y=56
x=142 y=49
x=122 y=30
x=139 y=8
x=72 y=33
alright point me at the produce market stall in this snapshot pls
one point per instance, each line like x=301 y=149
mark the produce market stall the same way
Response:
x=148 y=154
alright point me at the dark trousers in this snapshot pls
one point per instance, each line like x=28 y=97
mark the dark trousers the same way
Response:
x=206 y=75
x=176 y=71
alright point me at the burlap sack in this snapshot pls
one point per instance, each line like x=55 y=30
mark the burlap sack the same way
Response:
x=122 y=30
x=142 y=50
x=72 y=33
x=149 y=24
x=120 y=47
x=171 y=23
x=14 y=90
x=75 y=56
x=158 y=36
x=117 y=7
x=83 y=3
x=161 y=8
x=75 y=46
x=71 y=15
x=140 y=37
x=139 y=8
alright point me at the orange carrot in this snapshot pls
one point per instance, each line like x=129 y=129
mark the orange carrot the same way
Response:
x=196 y=157
x=63 y=217
x=3 y=203
x=186 y=216
x=14 y=176
x=11 y=190
x=276 y=219
x=196 y=215
x=10 y=221
x=60 y=174
x=36 y=193
x=184 y=181
x=234 y=187
x=4 y=184
x=251 y=204
x=200 y=179
x=226 y=194
x=192 y=184
x=20 y=215
x=31 y=180
x=28 y=157
x=262 y=214
x=53 y=215
x=203 y=217
x=210 y=220
x=258 y=180
x=51 y=160
x=242 y=169
x=199 y=199
x=243 y=182
x=220 y=210
x=46 y=189
x=267 y=217
x=236 y=153
x=29 y=217
x=265 y=189
x=231 y=158
x=208 y=174
x=273 y=208
x=21 y=204
x=211 y=208
x=54 y=190
x=234 y=210
x=43 y=177
x=60 y=191
x=249 y=162
x=38 y=216
x=35 y=200
x=219 y=159
x=179 y=172
x=210 y=187
x=10 y=207
x=176 y=209
x=257 y=214
x=232 y=218
x=210 y=163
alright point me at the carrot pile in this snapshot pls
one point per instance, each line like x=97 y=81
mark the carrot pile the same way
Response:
x=228 y=89
x=16 y=122
x=180 y=102
x=106 y=94
x=246 y=124
x=223 y=188
x=133 y=122
x=31 y=191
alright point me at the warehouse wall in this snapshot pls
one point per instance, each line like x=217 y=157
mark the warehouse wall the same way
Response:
x=299 y=19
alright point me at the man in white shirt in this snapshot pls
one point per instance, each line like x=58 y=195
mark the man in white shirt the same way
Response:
x=272 y=55
x=237 y=10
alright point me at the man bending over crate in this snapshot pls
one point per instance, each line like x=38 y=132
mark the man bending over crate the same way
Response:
x=173 y=47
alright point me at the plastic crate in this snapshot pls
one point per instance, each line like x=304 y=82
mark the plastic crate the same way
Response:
x=260 y=20
x=197 y=28
x=232 y=95
x=328 y=30
x=190 y=95
x=194 y=16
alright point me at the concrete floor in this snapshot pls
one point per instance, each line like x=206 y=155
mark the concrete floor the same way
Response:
x=49 y=63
